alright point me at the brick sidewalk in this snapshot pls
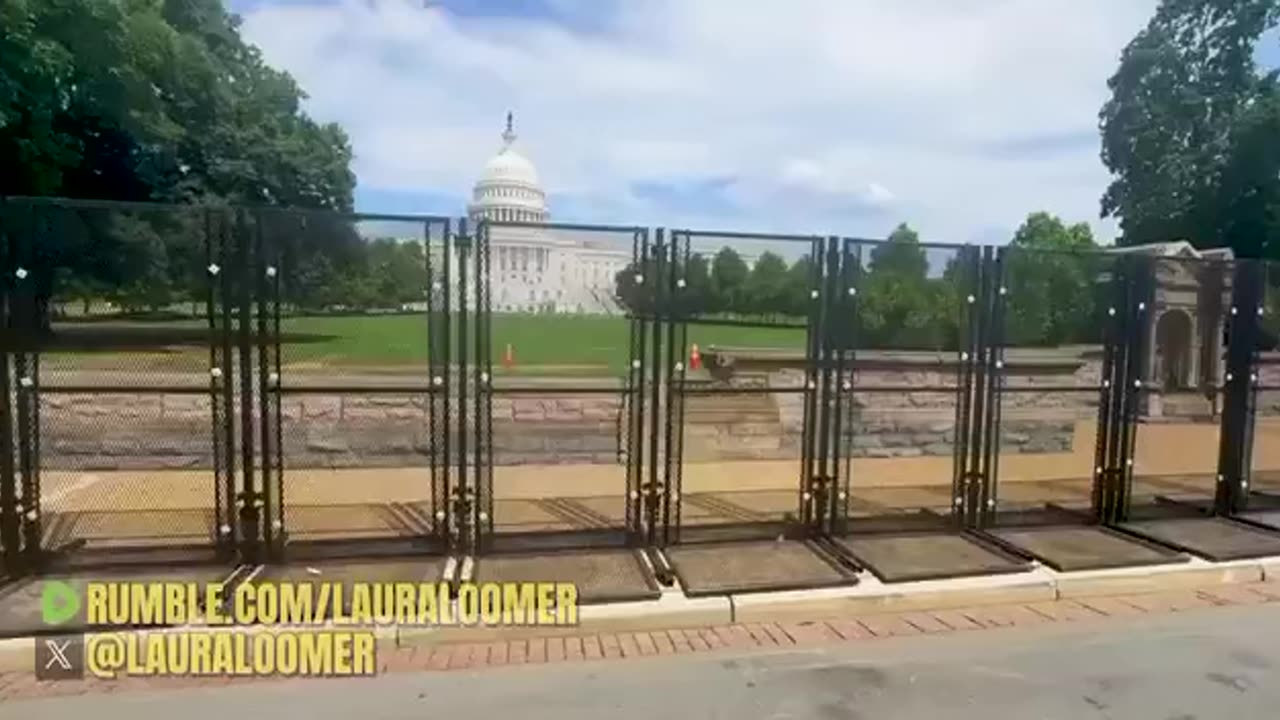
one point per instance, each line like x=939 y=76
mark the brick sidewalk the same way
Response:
x=783 y=635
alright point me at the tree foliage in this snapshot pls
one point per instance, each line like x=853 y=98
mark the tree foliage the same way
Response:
x=729 y=290
x=1053 y=282
x=909 y=296
x=899 y=304
x=156 y=100
x=766 y=285
x=1189 y=130
x=153 y=100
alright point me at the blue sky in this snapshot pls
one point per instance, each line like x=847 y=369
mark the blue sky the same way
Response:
x=830 y=116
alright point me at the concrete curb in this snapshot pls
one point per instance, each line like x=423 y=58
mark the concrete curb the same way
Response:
x=871 y=597
x=1157 y=578
x=868 y=597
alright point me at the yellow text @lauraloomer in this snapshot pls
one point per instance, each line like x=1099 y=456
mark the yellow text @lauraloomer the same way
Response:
x=232 y=652
x=315 y=603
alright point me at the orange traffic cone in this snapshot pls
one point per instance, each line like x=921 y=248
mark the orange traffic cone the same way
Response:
x=695 y=358
x=509 y=357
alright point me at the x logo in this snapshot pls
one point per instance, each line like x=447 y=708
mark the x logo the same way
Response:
x=58 y=654
x=59 y=658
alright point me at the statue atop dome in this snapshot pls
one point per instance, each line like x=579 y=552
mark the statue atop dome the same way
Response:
x=509 y=135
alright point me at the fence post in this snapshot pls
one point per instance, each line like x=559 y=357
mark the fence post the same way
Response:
x=1107 y=401
x=652 y=489
x=265 y=275
x=27 y=398
x=992 y=431
x=249 y=501
x=634 y=388
x=1235 y=439
x=10 y=537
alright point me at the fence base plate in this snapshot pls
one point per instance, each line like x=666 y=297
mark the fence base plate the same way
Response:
x=928 y=556
x=600 y=575
x=1066 y=548
x=737 y=567
x=1211 y=538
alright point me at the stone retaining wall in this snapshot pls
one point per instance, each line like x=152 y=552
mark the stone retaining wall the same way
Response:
x=890 y=420
x=85 y=431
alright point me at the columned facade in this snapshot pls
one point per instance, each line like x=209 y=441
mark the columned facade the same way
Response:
x=540 y=269
x=1185 y=330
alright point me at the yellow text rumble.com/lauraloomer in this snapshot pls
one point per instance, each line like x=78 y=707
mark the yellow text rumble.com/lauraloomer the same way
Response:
x=316 y=603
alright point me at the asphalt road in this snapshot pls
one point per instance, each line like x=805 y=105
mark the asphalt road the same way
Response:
x=1220 y=663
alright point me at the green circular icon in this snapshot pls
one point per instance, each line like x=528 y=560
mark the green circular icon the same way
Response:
x=59 y=602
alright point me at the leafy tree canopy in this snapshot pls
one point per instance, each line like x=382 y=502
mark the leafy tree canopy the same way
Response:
x=1052 y=274
x=1189 y=130
x=155 y=100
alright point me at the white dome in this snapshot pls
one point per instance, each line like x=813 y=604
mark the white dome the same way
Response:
x=508 y=189
x=509 y=167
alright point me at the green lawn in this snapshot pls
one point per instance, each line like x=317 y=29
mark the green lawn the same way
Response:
x=559 y=344
x=540 y=344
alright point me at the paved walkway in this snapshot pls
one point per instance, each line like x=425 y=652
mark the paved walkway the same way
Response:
x=739 y=638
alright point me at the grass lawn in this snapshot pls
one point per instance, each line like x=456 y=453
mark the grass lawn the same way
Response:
x=556 y=344
x=541 y=344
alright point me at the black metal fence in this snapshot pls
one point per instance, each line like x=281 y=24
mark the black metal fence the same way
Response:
x=246 y=385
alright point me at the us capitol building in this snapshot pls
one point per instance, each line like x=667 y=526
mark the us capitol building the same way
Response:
x=541 y=270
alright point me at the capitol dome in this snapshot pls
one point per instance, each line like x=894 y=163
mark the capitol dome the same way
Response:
x=508 y=189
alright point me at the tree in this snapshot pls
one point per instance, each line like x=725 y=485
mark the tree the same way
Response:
x=1271 y=316
x=396 y=272
x=899 y=305
x=1052 y=276
x=77 y=98
x=1249 y=188
x=765 y=292
x=900 y=254
x=728 y=281
x=1182 y=101
x=633 y=287
x=800 y=282
x=695 y=298
x=155 y=100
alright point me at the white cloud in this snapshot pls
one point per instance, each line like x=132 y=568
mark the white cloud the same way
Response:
x=877 y=195
x=832 y=115
x=810 y=176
